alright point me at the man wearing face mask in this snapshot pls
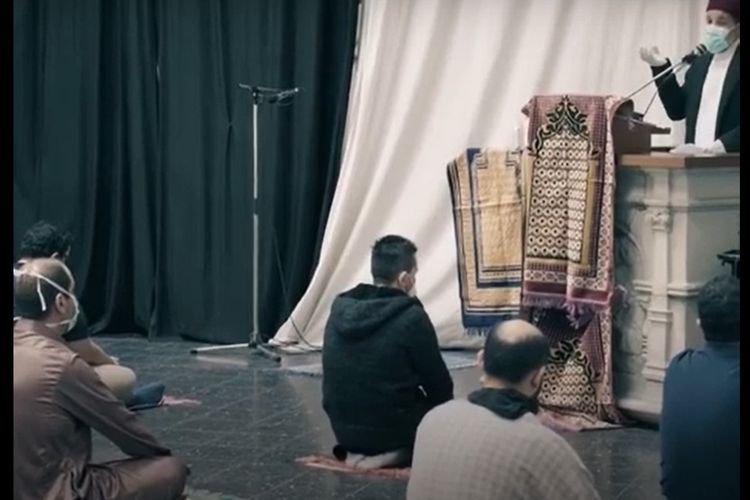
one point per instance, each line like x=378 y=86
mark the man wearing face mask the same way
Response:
x=382 y=368
x=492 y=445
x=709 y=100
x=58 y=399
x=44 y=240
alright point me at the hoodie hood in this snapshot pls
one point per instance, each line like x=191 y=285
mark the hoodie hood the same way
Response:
x=365 y=309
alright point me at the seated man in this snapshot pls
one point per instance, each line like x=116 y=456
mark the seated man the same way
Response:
x=58 y=399
x=45 y=240
x=700 y=418
x=382 y=368
x=493 y=446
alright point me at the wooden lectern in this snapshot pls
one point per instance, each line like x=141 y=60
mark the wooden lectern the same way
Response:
x=631 y=135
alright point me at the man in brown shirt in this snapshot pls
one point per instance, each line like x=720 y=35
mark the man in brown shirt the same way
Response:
x=58 y=398
x=43 y=240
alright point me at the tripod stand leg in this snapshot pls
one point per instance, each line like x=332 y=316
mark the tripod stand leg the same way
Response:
x=262 y=350
x=198 y=350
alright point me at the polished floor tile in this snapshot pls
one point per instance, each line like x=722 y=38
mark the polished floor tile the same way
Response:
x=253 y=421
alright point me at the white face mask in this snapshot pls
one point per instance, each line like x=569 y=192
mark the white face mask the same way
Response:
x=413 y=291
x=70 y=322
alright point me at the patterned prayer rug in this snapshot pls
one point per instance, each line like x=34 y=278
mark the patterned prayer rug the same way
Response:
x=333 y=464
x=488 y=219
x=568 y=252
x=577 y=385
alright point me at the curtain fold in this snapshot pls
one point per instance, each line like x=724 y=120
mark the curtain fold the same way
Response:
x=131 y=131
x=434 y=78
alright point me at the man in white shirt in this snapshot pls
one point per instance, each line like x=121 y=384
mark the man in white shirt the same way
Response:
x=709 y=100
x=491 y=446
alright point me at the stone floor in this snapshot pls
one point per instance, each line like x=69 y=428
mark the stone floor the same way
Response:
x=254 y=420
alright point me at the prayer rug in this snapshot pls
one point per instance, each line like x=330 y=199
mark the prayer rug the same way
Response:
x=568 y=256
x=331 y=463
x=577 y=384
x=165 y=401
x=568 y=279
x=487 y=201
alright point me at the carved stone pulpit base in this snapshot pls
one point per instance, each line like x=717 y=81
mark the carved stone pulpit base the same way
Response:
x=671 y=222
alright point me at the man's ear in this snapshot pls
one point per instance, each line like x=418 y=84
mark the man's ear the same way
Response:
x=404 y=281
x=60 y=303
x=537 y=377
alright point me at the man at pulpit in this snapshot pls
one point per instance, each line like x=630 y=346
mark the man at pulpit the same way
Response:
x=709 y=100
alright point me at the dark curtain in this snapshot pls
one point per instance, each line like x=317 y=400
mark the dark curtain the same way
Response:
x=131 y=131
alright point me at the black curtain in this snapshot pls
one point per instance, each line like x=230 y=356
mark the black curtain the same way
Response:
x=130 y=130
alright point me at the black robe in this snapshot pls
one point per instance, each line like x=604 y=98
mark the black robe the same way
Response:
x=683 y=102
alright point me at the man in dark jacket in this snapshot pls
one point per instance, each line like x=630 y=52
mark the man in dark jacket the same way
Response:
x=700 y=420
x=709 y=100
x=382 y=368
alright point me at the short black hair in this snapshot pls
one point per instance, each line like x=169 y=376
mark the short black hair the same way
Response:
x=719 y=309
x=392 y=255
x=43 y=240
x=513 y=360
x=26 y=288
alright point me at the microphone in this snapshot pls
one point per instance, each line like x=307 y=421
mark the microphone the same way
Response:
x=283 y=94
x=685 y=61
x=695 y=53
x=261 y=90
x=269 y=95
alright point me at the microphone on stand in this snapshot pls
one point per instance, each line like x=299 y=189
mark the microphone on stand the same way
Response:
x=698 y=51
x=269 y=95
x=283 y=95
x=688 y=59
x=684 y=62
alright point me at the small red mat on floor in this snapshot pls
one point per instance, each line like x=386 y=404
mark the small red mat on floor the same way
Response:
x=173 y=401
x=165 y=401
x=331 y=463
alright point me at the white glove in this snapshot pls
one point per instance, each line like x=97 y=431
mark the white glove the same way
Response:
x=651 y=56
x=717 y=148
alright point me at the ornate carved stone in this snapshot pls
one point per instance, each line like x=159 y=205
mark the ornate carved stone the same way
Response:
x=661 y=219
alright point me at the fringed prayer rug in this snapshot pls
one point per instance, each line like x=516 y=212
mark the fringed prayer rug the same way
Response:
x=568 y=253
x=487 y=201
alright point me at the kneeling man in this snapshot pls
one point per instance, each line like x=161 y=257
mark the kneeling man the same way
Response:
x=382 y=368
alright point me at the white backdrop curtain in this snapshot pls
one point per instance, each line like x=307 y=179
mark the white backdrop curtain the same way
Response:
x=434 y=77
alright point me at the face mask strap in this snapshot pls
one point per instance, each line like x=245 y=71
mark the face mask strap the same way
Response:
x=39 y=278
x=40 y=294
